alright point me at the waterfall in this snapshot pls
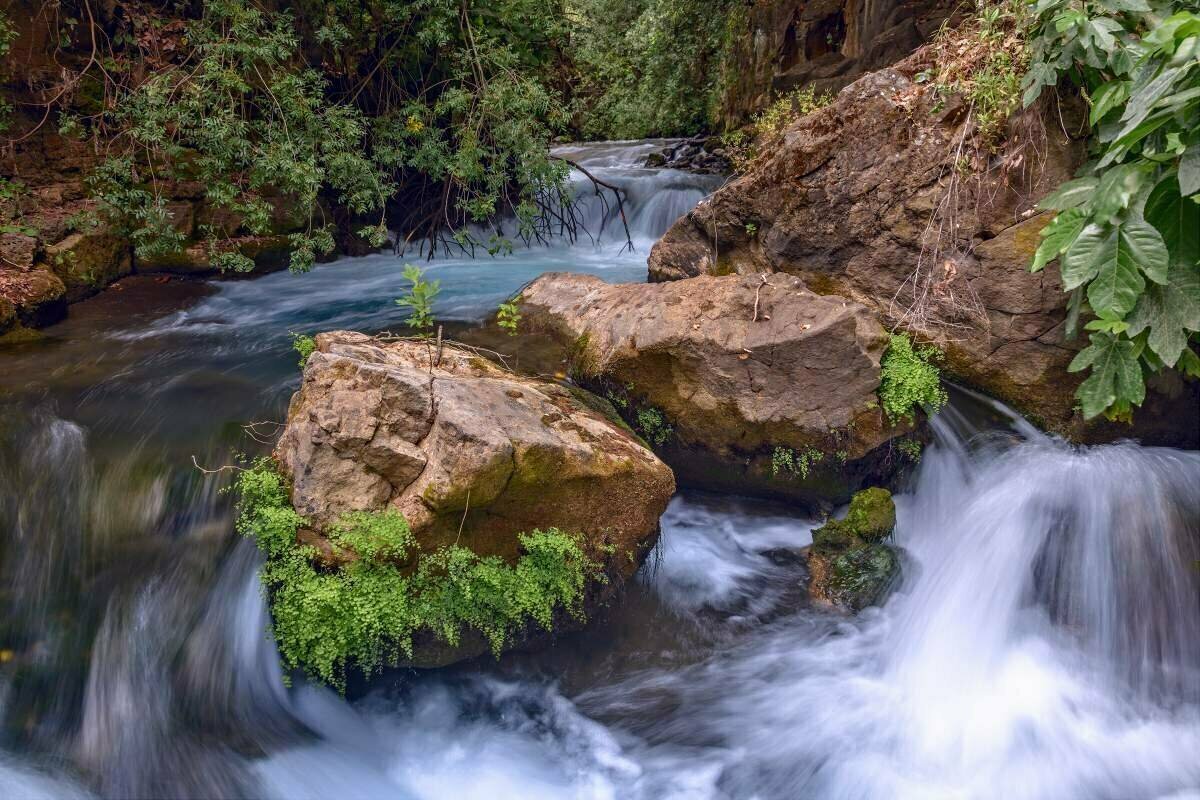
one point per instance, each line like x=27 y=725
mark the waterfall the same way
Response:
x=1044 y=642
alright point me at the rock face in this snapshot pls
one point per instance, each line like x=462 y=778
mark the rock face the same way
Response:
x=469 y=453
x=849 y=565
x=825 y=44
x=761 y=387
x=869 y=199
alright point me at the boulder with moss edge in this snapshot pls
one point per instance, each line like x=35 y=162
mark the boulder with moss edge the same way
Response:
x=857 y=197
x=471 y=454
x=741 y=383
x=850 y=565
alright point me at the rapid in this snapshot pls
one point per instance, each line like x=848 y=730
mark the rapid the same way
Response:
x=1044 y=643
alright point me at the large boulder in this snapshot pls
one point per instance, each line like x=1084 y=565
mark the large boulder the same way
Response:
x=742 y=382
x=36 y=296
x=885 y=198
x=471 y=455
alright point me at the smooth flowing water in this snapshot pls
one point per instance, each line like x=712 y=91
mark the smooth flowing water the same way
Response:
x=1044 y=643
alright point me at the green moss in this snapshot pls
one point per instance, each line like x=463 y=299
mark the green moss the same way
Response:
x=870 y=519
x=908 y=380
x=872 y=514
x=604 y=408
x=367 y=611
x=860 y=576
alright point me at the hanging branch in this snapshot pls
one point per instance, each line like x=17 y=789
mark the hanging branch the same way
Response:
x=597 y=184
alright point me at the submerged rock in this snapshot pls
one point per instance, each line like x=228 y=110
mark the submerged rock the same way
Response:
x=741 y=382
x=471 y=455
x=850 y=565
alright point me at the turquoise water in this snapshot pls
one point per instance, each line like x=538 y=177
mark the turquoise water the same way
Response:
x=1044 y=645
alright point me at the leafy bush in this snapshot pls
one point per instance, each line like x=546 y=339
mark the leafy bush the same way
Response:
x=1127 y=231
x=508 y=316
x=909 y=380
x=366 y=611
x=447 y=106
x=983 y=62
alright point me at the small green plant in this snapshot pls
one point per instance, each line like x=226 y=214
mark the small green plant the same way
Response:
x=983 y=62
x=366 y=610
x=771 y=121
x=420 y=297
x=745 y=146
x=911 y=448
x=508 y=315
x=654 y=427
x=909 y=380
x=304 y=345
x=785 y=461
x=751 y=228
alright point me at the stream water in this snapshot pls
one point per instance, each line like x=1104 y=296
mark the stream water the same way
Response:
x=1044 y=643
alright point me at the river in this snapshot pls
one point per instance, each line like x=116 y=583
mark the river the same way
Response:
x=1044 y=644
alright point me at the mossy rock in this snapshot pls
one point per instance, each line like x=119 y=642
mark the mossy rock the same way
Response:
x=870 y=520
x=849 y=566
x=860 y=578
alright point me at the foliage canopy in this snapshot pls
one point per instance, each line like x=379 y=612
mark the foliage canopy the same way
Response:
x=1127 y=231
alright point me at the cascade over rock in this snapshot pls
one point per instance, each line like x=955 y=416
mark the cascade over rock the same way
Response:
x=870 y=199
x=723 y=373
x=470 y=453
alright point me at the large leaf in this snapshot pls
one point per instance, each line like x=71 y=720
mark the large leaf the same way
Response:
x=1189 y=170
x=1107 y=97
x=1177 y=219
x=1118 y=283
x=1057 y=236
x=1082 y=260
x=1116 y=374
x=1070 y=194
x=1170 y=312
x=1146 y=247
x=1118 y=186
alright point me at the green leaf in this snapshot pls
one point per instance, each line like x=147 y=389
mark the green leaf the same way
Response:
x=1082 y=259
x=1116 y=374
x=1117 y=188
x=1172 y=311
x=1070 y=194
x=1146 y=247
x=1117 y=283
x=1189 y=170
x=1057 y=236
x=1107 y=97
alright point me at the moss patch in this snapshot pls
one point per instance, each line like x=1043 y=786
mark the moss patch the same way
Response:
x=366 y=611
